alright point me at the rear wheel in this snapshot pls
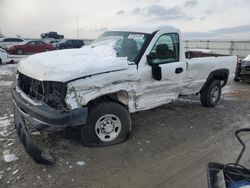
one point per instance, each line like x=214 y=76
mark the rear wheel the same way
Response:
x=19 y=51
x=1 y=61
x=108 y=123
x=211 y=93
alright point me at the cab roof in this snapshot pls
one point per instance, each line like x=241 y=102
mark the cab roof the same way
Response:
x=146 y=28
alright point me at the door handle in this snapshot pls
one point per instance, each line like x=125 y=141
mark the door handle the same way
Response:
x=178 y=70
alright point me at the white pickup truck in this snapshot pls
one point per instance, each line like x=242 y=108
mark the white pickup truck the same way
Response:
x=97 y=86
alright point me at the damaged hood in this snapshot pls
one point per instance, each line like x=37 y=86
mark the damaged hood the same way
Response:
x=66 y=65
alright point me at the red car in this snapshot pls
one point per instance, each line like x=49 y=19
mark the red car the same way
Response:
x=30 y=47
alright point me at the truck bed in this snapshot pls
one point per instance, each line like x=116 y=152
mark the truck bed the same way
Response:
x=199 y=68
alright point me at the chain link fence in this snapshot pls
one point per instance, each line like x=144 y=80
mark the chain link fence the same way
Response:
x=239 y=48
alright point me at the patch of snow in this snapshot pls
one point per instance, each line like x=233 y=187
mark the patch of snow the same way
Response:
x=64 y=65
x=15 y=172
x=80 y=163
x=4 y=83
x=8 y=157
x=4 y=117
x=4 y=121
x=36 y=133
x=7 y=70
x=3 y=133
x=10 y=144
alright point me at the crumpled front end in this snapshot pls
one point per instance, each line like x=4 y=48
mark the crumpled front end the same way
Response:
x=40 y=106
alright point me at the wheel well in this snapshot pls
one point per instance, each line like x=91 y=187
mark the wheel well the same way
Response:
x=221 y=74
x=120 y=97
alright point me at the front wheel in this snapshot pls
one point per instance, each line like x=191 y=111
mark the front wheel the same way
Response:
x=211 y=93
x=108 y=123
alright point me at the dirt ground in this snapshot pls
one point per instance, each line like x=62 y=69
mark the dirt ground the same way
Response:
x=169 y=147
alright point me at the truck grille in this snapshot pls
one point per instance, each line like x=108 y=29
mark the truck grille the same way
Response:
x=51 y=93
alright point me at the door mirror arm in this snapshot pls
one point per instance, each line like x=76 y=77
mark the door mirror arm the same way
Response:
x=156 y=69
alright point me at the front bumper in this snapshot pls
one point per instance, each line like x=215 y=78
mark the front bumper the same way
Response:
x=41 y=117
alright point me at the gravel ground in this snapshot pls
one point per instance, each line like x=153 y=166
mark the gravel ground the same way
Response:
x=169 y=147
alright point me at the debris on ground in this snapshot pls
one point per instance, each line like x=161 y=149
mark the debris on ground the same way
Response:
x=15 y=172
x=8 y=157
x=80 y=163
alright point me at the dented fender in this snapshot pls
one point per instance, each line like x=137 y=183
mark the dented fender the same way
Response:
x=122 y=83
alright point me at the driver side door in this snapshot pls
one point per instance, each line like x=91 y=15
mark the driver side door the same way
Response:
x=165 y=54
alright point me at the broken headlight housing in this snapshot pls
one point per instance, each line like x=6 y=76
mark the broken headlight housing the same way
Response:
x=73 y=98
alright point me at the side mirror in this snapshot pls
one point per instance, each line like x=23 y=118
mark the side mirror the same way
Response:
x=156 y=69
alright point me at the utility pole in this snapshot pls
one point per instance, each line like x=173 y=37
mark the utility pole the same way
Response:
x=77 y=26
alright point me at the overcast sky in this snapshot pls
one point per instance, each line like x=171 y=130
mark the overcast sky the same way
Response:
x=197 y=18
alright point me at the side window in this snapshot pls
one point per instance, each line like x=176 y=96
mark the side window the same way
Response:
x=39 y=43
x=32 y=43
x=166 y=49
x=7 y=40
x=69 y=42
x=19 y=40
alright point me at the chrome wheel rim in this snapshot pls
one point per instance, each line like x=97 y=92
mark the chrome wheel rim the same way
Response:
x=214 y=94
x=108 y=127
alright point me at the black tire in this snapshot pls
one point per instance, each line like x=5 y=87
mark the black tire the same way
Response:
x=19 y=51
x=89 y=135
x=236 y=79
x=1 y=62
x=207 y=94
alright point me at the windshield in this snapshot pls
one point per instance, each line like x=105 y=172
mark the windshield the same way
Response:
x=126 y=44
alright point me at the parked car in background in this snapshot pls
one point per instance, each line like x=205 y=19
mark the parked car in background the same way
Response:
x=4 y=57
x=54 y=42
x=70 y=43
x=30 y=47
x=52 y=34
x=243 y=70
x=8 y=42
